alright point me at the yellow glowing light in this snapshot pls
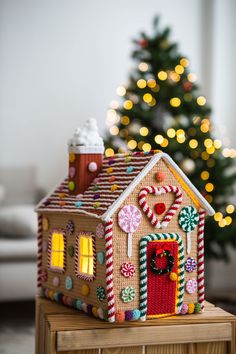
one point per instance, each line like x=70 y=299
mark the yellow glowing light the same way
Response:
x=201 y=100
x=210 y=150
x=192 y=77
x=121 y=91
x=165 y=143
x=114 y=104
x=230 y=209
x=232 y=153
x=193 y=143
x=109 y=152
x=114 y=130
x=86 y=254
x=125 y=120
x=217 y=143
x=146 y=147
x=205 y=155
x=143 y=67
x=179 y=69
x=228 y=220
x=132 y=144
x=222 y=223
x=204 y=127
x=151 y=83
x=159 y=139
x=143 y=131
x=128 y=104
x=162 y=75
x=181 y=139
x=174 y=76
x=208 y=143
x=175 y=102
x=180 y=132
x=153 y=102
x=218 y=216
x=171 y=133
x=205 y=175
x=57 y=250
x=147 y=97
x=184 y=62
x=141 y=83
x=209 y=187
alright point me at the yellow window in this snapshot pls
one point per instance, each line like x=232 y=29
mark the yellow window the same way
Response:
x=85 y=260
x=57 y=250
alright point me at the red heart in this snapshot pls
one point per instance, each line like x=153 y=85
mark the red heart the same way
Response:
x=160 y=208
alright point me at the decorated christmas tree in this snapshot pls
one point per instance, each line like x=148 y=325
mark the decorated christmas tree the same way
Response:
x=161 y=107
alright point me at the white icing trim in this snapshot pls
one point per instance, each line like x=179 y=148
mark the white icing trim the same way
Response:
x=110 y=211
x=86 y=149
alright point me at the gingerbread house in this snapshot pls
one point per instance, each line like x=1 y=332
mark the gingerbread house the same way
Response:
x=122 y=238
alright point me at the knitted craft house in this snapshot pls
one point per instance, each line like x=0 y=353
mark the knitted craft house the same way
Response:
x=122 y=238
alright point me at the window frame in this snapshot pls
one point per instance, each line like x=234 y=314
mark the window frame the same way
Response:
x=50 y=267
x=79 y=274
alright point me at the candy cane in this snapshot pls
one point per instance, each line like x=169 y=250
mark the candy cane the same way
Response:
x=158 y=191
x=40 y=250
x=109 y=271
x=200 y=271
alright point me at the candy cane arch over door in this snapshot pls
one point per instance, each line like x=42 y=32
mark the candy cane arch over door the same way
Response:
x=40 y=250
x=109 y=271
x=159 y=191
x=200 y=259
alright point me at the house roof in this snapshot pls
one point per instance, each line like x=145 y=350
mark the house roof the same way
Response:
x=119 y=176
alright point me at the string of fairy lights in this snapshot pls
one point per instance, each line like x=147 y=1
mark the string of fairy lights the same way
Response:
x=210 y=145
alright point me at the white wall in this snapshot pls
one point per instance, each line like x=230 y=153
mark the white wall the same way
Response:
x=61 y=62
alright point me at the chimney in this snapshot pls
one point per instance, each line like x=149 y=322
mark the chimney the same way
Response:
x=86 y=150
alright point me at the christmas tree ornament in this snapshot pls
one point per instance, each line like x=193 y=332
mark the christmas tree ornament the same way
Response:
x=188 y=166
x=188 y=220
x=129 y=219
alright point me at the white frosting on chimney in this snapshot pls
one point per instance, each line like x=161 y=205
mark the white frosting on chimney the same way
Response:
x=87 y=136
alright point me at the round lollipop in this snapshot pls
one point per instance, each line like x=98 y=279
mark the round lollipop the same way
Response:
x=129 y=218
x=188 y=220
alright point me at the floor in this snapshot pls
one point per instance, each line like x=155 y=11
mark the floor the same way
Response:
x=17 y=325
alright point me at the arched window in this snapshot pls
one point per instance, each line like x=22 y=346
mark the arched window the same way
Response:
x=85 y=256
x=57 y=248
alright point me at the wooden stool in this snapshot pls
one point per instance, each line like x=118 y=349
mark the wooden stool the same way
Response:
x=67 y=331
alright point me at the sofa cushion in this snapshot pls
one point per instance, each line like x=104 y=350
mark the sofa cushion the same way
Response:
x=13 y=250
x=18 y=221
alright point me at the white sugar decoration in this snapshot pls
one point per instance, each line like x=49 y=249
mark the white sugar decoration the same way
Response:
x=87 y=136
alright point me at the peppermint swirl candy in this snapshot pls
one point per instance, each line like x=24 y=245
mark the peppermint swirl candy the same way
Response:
x=188 y=218
x=70 y=227
x=190 y=264
x=127 y=294
x=191 y=286
x=127 y=269
x=101 y=293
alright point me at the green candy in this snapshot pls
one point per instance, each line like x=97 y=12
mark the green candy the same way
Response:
x=71 y=251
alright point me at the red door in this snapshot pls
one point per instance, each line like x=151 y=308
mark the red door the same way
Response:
x=161 y=290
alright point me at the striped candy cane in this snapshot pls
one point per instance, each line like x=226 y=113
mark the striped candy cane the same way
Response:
x=200 y=271
x=109 y=271
x=40 y=250
x=158 y=191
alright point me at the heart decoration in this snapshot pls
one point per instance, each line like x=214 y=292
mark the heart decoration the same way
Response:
x=159 y=191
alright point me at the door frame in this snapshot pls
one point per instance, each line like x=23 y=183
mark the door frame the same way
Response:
x=143 y=269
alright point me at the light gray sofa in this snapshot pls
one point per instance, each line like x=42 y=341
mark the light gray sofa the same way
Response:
x=17 y=252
